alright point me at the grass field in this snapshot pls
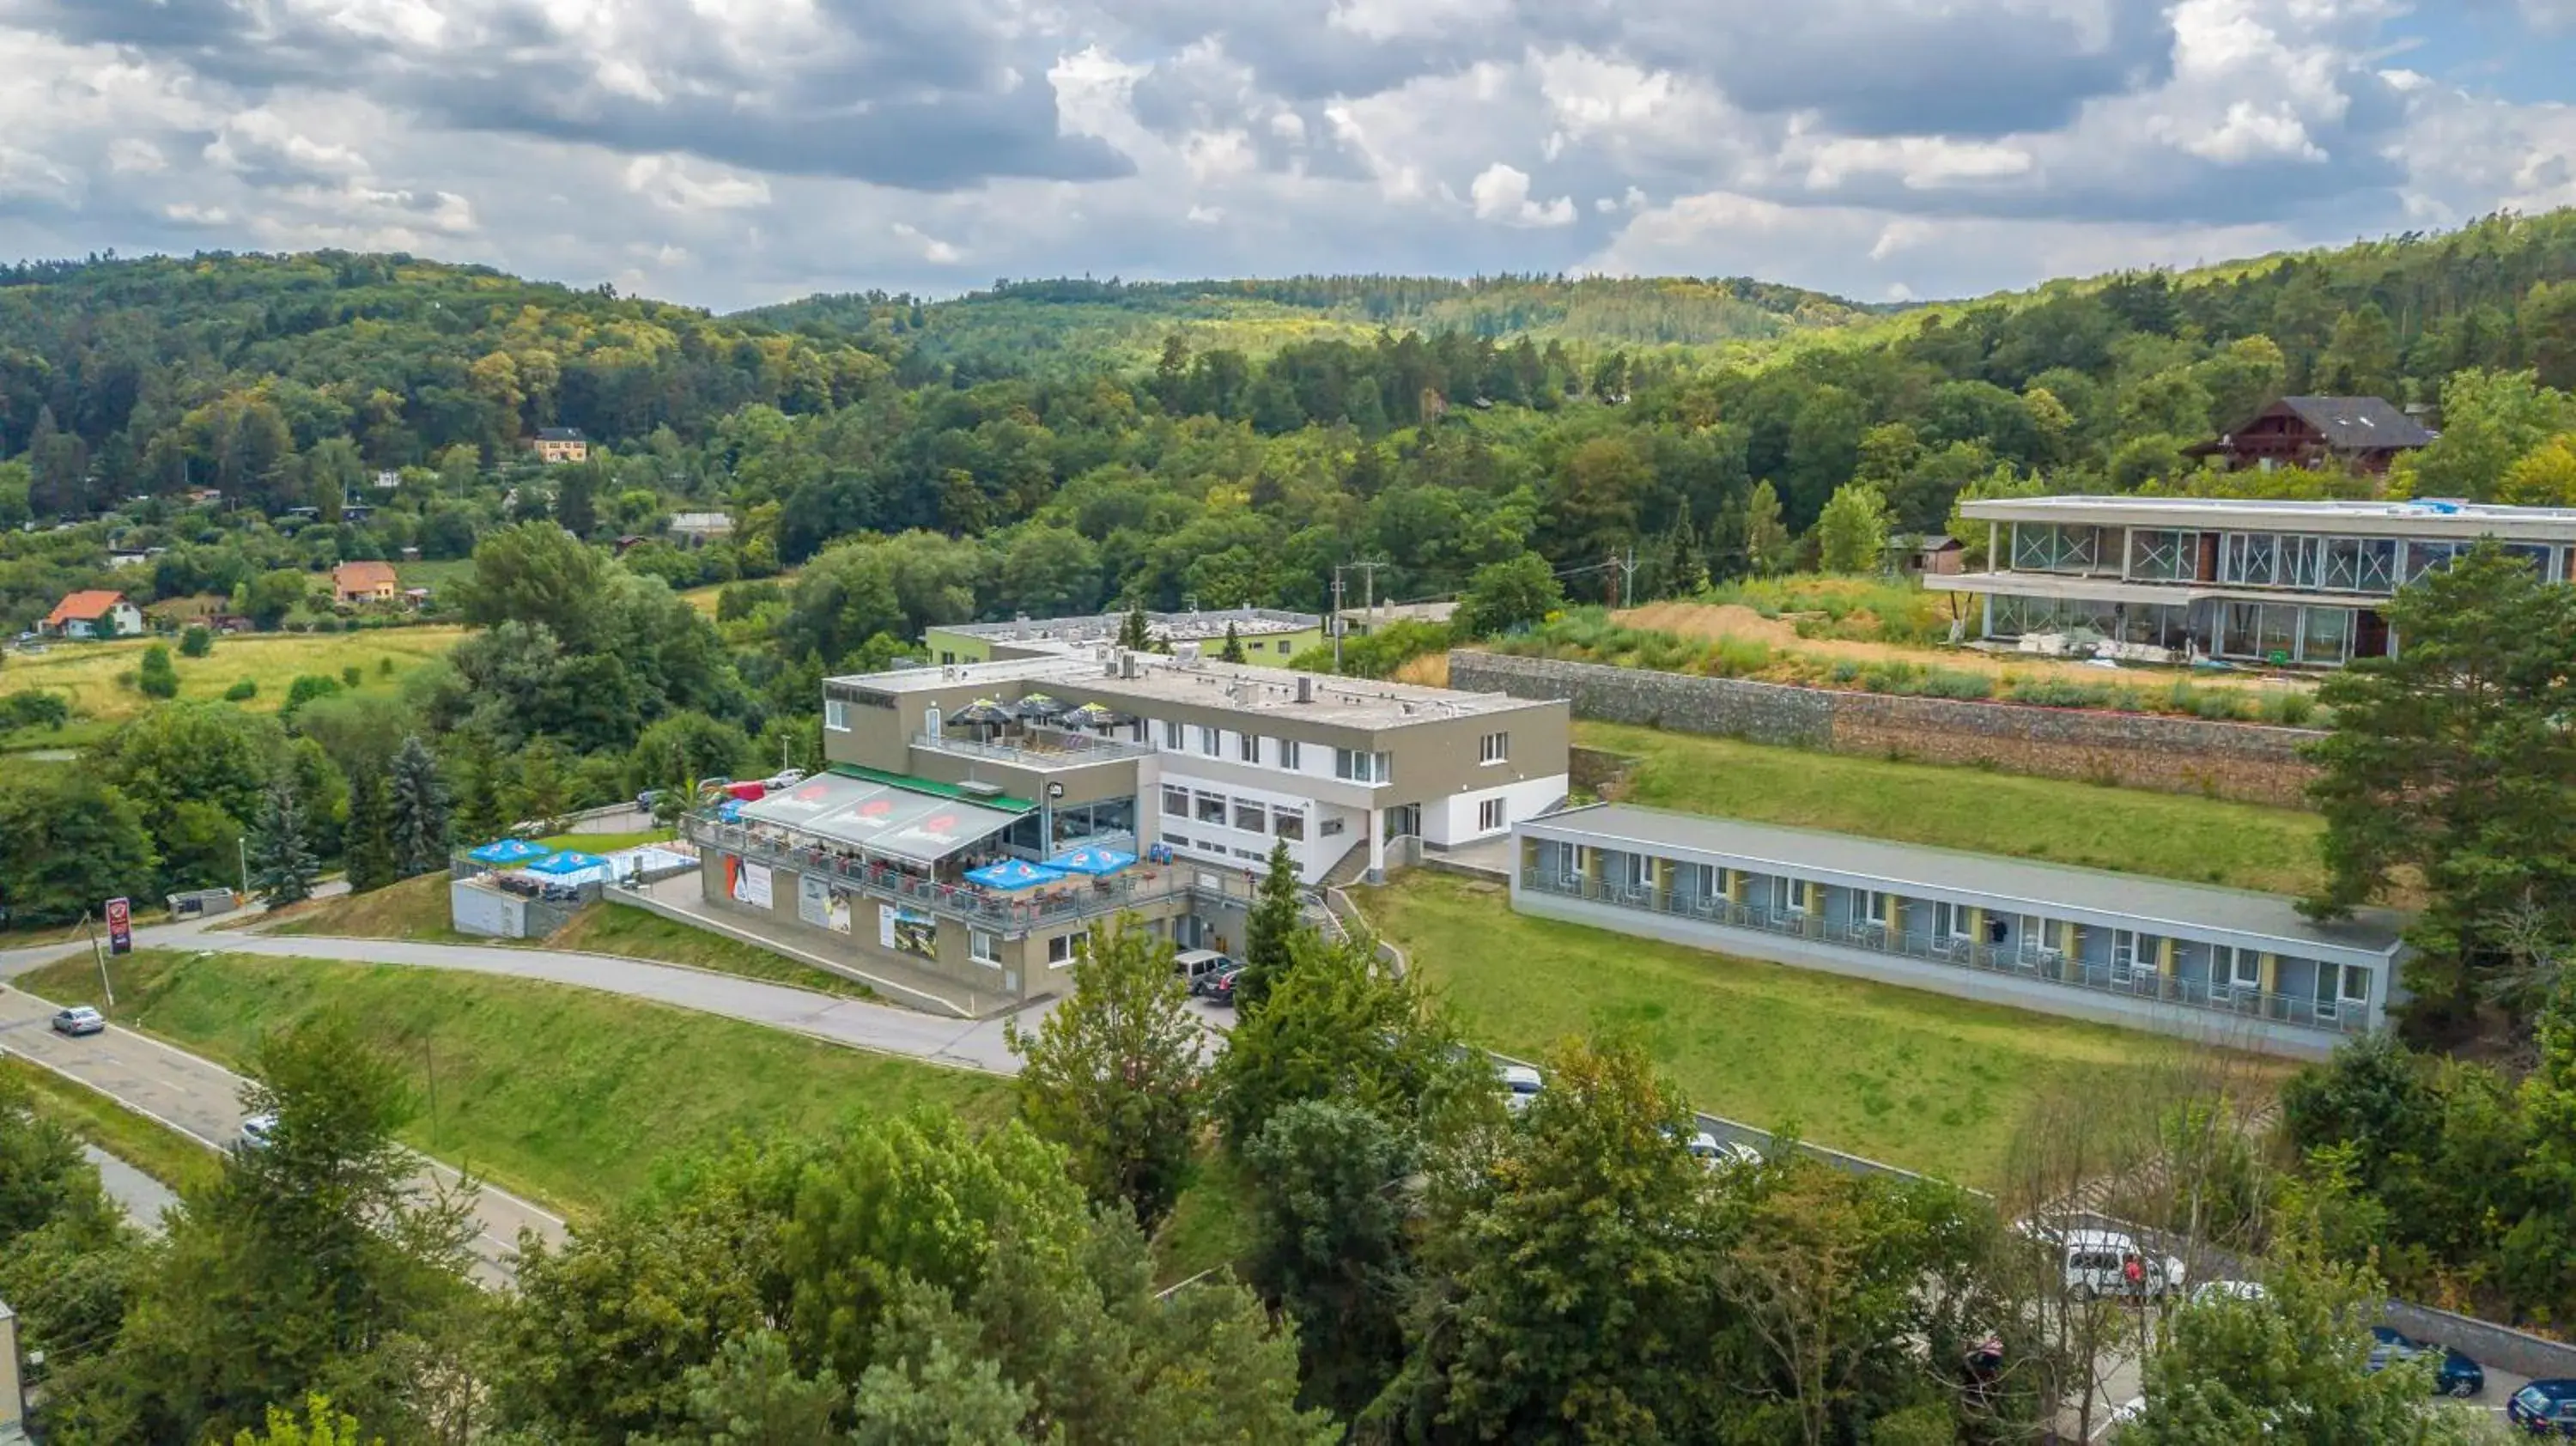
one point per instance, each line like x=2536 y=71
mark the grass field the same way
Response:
x=568 y=1095
x=148 y=1145
x=417 y=909
x=605 y=843
x=1911 y=1078
x=1210 y=1225
x=2170 y=835
x=86 y=674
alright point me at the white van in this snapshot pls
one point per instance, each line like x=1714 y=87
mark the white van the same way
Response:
x=1194 y=965
x=2097 y=1262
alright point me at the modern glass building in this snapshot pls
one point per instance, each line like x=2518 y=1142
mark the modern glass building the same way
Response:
x=2220 y=965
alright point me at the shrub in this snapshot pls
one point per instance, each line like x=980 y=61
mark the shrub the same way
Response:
x=2050 y=693
x=1739 y=657
x=384 y=667
x=33 y=709
x=157 y=677
x=307 y=688
x=351 y=676
x=2290 y=710
x=1846 y=671
x=197 y=641
x=241 y=692
x=1952 y=683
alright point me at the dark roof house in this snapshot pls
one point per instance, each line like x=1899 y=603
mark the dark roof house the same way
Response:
x=2363 y=433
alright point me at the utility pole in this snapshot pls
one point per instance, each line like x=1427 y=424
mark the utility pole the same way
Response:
x=1335 y=622
x=104 y=987
x=241 y=847
x=1610 y=566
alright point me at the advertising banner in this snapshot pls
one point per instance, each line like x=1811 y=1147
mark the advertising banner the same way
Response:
x=120 y=926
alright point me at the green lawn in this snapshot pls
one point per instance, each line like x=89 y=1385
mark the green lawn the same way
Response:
x=567 y=1095
x=87 y=674
x=2170 y=835
x=1915 y=1079
x=1210 y=1225
x=146 y=1144
x=605 y=843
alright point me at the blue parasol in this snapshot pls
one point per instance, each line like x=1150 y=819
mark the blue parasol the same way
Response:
x=1092 y=860
x=1014 y=874
x=570 y=861
x=507 y=851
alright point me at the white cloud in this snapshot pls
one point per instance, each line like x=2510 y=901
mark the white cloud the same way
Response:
x=1502 y=193
x=933 y=250
x=1920 y=163
x=676 y=183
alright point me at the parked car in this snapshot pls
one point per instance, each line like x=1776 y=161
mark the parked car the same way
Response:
x=2211 y=1290
x=257 y=1131
x=2456 y=1376
x=1521 y=1085
x=1194 y=965
x=1217 y=988
x=2097 y=1263
x=2544 y=1408
x=650 y=799
x=78 y=1020
x=784 y=778
x=1715 y=1154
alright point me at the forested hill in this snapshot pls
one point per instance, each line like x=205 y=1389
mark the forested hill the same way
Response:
x=1072 y=322
x=124 y=376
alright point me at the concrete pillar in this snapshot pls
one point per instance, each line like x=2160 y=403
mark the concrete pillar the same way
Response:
x=2066 y=940
x=2271 y=974
x=1977 y=926
x=2165 y=966
x=1735 y=886
x=1995 y=560
x=1895 y=919
x=1663 y=883
x=1377 y=845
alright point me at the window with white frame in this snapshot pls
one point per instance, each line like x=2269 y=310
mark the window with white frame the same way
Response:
x=1352 y=766
x=1494 y=748
x=1247 y=747
x=1952 y=922
x=1492 y=815
x=1176 y=801
x=1211 y=809
x=836 y=714
x=1288 y=755
x=1288 y=824
x=1250 y=816
x=1211 y=740
x=1172 y=734
x=1328 y=828
x=984 y=947
x=1790 y=896
x=1063 y=949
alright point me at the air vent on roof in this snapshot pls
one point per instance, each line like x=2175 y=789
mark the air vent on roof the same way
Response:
x=1305 y=688
x=977 y=789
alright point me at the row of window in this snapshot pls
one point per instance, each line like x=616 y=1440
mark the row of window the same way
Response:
x=1247 y=815
x=1287 y=754
x=2313 y=562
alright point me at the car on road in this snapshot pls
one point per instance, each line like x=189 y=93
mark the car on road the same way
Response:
x=2544 y=1408
x=2457 y=1375
x=1217 y=988
x=258 y=1130
x=1715 y=1154
x=78 y=1020
x=1521 y=1084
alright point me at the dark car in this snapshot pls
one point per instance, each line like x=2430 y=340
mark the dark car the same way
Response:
x=79 y=1019
x=1218 y=987
x=2544 y=1408
x=2456 y=1376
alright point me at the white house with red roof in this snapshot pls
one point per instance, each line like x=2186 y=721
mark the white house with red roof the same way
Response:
x=93 y=613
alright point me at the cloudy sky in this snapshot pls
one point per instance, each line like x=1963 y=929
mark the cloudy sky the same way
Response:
x=733 y=152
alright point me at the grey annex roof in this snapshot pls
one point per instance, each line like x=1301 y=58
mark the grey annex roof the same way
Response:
x=1895 y=865
x=878 y=818
x=2359 y=423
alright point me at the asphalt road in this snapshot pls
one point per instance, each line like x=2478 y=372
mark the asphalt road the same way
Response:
x=202 y=1100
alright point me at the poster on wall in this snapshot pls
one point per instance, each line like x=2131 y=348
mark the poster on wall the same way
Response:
x=821 y=905
x=748 y=883
x=885 y=927
x=916 y=934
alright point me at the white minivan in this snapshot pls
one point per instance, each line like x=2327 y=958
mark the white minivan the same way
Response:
x=1198 y=964
x=2097 y=1263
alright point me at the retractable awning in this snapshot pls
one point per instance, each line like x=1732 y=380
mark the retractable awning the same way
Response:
x=879 y=818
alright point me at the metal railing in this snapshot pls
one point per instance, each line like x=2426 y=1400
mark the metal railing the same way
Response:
x=1050 y=749
x=2141 y=980
x=1015 y=912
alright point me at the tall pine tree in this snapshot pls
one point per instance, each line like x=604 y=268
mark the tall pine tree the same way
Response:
x=1132 y=632
x=283 y=866
x=1232 y=652
x=367 y=841
x=416 y=811
x=1271 y=930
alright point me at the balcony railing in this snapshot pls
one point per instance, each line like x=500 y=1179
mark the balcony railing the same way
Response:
x=2141 y=980
x=1016 y=912
x=1036 y=750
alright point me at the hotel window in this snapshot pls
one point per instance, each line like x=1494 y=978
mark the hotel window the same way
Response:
x=1288 y=824
x=1250 y=816
x=984 y=947
x=1355 y=767
x=1288 y=754
x=1247 y=746
x=836 y=715
x=1212 y=809
x=1176 y=802
x=1172 y=734
x=1952 y=921
x=1492 y=815
x=1211 y=741
x=1494 y=748
x=1063 y=949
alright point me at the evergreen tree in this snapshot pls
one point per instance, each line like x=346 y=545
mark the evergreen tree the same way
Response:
x=1232 y=651
x=479 y=816
x=282 y=865
x=367 y=841
x=1132 y=633
x=416 y=811
x=1766 y=536
x=1270 y=931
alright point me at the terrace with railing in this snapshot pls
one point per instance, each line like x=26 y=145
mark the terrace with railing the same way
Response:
x=1034 y=747
x=2136 y=980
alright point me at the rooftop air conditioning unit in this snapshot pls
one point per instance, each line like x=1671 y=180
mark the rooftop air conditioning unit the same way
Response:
x=1305 y=687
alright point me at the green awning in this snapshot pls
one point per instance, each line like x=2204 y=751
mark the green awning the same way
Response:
x=934 y=788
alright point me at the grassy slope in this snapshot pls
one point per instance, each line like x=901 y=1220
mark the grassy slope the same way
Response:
x=605 y=843
x=571 y=1096
x=86 y=673
x=1915 y=1079
x=1210 y=1225
x=417 y=909
x=148 y=1145
x=2169 y=835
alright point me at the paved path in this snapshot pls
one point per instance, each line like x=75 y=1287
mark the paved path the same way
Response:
x=141 y=1197
x=202 y=1100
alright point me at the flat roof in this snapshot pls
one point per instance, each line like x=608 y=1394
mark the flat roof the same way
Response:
x=1349 y=702
x=880 y=818
x=2427 y=516
x=1208 y=626
x=1898 y=866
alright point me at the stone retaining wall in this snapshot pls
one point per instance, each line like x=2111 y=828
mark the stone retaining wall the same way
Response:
x=2249 y=762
